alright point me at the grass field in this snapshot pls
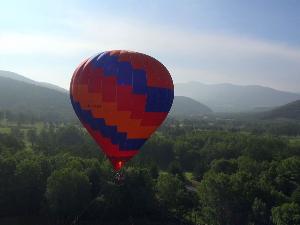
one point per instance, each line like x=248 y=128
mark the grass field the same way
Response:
x=24 y=128
x=5 y=130
x=294 y=141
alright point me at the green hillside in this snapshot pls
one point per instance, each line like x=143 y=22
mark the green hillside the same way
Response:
x=24 y=98
x=184 y=106
x=15 y=76
x=19 y=96
x=288 y=111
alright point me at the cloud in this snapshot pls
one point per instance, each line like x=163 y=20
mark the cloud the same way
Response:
x=115 y=33
x=189 y=55
x=199 y=55
x=90 y=34
x=22 y=43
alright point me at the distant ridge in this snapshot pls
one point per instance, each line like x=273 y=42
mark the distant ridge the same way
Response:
x=19 y=77
x=235 y=98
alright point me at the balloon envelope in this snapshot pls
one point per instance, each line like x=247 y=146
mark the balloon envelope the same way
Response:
x=121 y=98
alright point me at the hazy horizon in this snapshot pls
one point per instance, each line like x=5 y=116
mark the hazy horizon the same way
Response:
x=204 y=41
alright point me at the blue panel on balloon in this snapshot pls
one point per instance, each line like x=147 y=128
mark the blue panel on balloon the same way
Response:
x=124 y=73
x=153 y=94
x=139 y=82
x=111 y=66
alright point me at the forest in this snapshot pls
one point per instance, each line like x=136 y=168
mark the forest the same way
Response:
x=226 y=172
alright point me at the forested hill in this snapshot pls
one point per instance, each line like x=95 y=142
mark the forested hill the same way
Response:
x=187 y=107
x=29 y=99
x=15 y=76
x=288 y=111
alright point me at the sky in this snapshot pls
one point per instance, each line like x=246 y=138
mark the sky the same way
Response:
x=209 y=41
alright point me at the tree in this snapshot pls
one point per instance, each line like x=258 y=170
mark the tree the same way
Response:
x=264 y=148
x=157 y=150
x=173 y=195
x=224 y=166
x=168 y=189
x=132 y=198
x=286 y=214
x=17 y=133
x=296 y=195
x=249 y=165
x=45 y=142
x=226 y=199
x=68 y=192
x=288 y=175
x=30 y=184
x=11 y=142
x=199 y=170
x=138 y=192
x=96 y=175
x=175 y=169
x=216 y=198
x=260 y=212
x=7 y=185
x=187 y=152
x=69 y=136
x=32 y=136
x=153 y=169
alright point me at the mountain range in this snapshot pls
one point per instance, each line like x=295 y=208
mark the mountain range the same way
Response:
x=23 y=95
x=49 y=102
x=235 y=98
x=41 y=102
x=24 y=79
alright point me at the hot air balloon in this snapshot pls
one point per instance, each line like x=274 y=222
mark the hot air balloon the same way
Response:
x=121 y=98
